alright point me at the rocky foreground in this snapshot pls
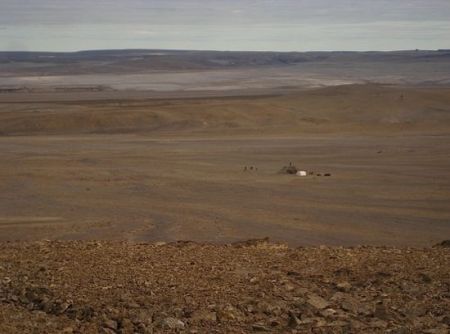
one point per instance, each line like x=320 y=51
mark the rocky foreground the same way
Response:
x=112 y=287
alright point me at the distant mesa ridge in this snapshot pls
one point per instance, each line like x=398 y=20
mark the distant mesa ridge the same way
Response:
x=185 y=59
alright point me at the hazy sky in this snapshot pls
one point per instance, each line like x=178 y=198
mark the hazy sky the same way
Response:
x=285 y=25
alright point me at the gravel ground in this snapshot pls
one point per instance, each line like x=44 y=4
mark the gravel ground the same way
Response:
x=256 y=286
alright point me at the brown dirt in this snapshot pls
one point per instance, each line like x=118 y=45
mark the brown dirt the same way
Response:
x=112 y=287
x=81 y=161
x=174 y=169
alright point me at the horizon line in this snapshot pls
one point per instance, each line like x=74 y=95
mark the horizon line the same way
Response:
x=216 y=50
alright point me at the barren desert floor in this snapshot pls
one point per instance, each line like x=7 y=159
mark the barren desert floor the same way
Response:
x=166 y=170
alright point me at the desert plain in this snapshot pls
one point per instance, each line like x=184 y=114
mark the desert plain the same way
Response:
x=164 y=157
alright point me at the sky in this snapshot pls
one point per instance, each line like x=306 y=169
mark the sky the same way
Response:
x=270 y=25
